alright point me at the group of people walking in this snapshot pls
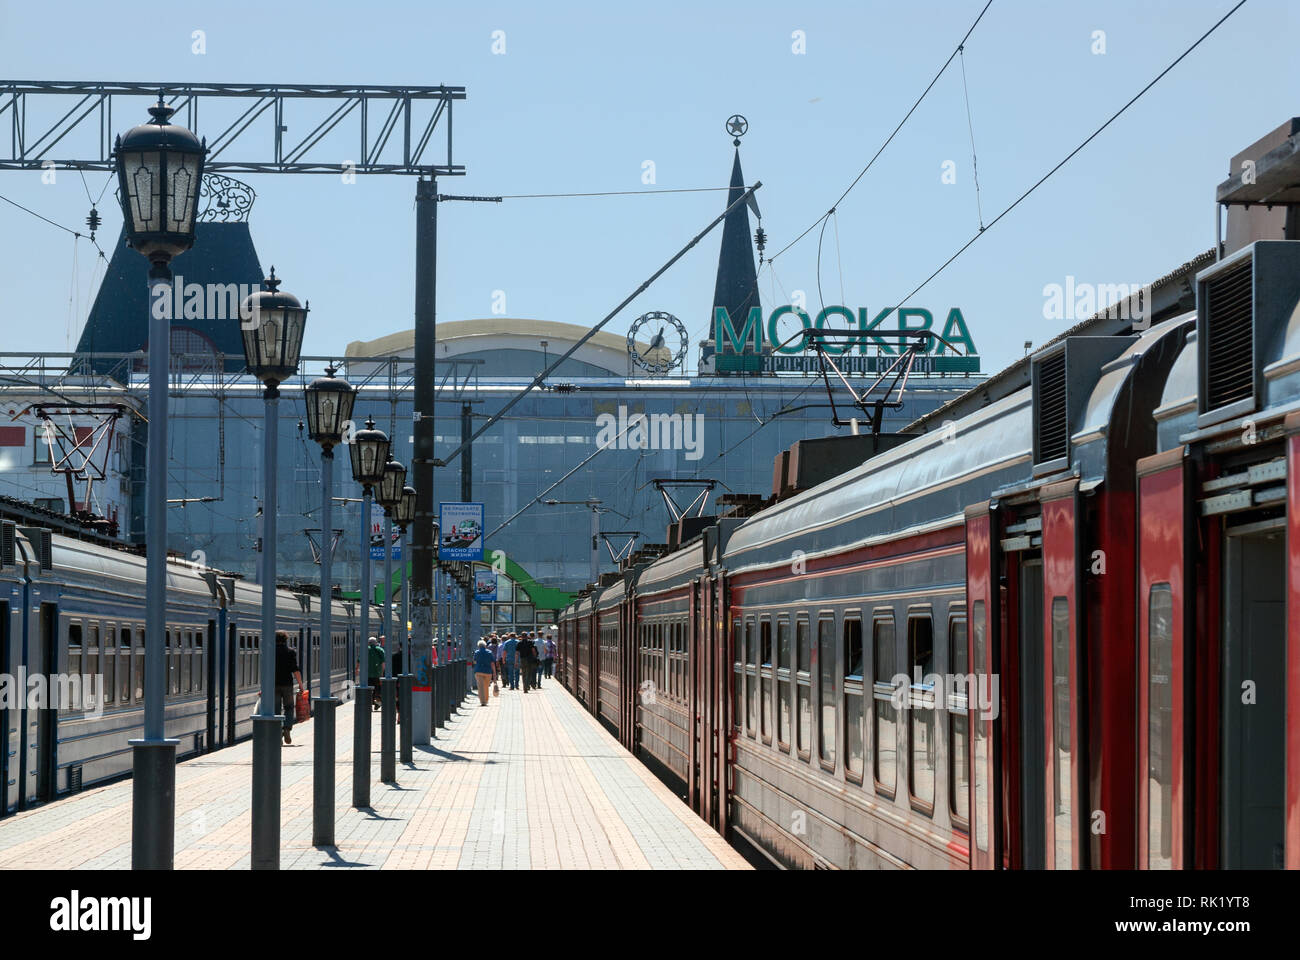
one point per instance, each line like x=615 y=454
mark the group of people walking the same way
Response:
x=511 y=658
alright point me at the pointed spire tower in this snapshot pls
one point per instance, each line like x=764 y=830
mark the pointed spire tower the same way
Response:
x=736 y=288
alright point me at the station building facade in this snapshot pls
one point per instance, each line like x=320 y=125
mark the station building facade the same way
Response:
x=618 y=414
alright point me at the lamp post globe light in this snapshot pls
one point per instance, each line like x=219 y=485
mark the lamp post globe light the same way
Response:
x=369 y=453
x=329 y=409
x=159 y=166
x=405 y=516
x=272 y=326
x=390 y=497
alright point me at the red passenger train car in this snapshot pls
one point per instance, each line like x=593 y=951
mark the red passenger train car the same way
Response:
x=1061 y=632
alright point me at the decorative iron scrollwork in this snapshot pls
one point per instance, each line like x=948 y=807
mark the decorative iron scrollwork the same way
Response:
x=224 y=199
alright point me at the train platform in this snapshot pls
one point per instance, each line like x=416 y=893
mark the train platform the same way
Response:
x=527 y=782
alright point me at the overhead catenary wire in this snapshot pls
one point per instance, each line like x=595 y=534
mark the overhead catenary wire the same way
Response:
x=890 y=138
x=822 y=219
x=609 y=193
x=645 y=285
x=964 y=247
x=538 y=498
x=974 y=161
x=1070 y=156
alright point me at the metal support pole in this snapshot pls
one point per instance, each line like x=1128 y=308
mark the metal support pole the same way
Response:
x=267 y=725
x=324 y=706
x=423 y=545
x=440 y=702
x=406 y=680
x=153 y=791
x=361 y=715
x=388 y=714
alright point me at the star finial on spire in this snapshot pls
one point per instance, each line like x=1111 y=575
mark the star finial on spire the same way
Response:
x=737 y=126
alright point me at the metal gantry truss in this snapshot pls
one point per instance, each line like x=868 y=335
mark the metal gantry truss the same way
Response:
x=666 y=486
x=278 y=128
x=900 y=369
x=623 y=551
x=81 y=375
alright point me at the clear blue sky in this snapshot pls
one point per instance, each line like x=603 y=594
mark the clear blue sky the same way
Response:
x=586 y=92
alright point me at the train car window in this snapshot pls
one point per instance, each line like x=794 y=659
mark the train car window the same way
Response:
x=981 y=740
x=1160 y=729
x=738 y=674
x=783 y=684
x=884 y=724
x=751 y=678
x=197 y=670
x=958 y=727
x=803 y=684
x=920 y=718
x=765 y=678
x=187 y=675
x=1061 y=769
x=124 y=666
x=826 y=691
x=681 y=661
x=853 y=747
x=660 y=657
x=74 y=649
x=92 y=651
x=138 y=672
x=108 y=688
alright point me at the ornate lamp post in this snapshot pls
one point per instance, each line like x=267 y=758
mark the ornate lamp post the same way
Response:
x=390 y=497
x=369 y=451
x=329 y=410
x=272 y=325
x=405 y=516
x=159 y=167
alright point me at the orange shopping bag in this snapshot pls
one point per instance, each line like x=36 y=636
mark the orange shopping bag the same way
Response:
x=302 y=707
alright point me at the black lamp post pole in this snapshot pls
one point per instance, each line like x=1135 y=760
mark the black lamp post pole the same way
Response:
x=159 y=168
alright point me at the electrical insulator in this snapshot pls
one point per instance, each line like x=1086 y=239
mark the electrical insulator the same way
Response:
x=760 y=239
x=93 y=221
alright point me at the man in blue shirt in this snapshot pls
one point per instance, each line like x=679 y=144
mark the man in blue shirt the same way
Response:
x=483 y=671
x=508 y=658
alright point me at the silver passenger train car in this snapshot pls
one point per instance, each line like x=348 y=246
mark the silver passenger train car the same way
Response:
x=72 y=659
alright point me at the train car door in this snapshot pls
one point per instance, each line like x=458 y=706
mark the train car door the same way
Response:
x=1253 y=721
x=7 y=736
x=692 y=699
x=1060 y=596
x=723 y=658
x=210 y=675
x=1033 y=784
x=980 y=578
x=232 y=682
x=45 y=725
x=1164 y=568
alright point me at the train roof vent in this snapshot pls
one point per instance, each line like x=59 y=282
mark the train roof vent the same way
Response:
x=1051 y=417
x=1062 y=378
x=42 y=543
x=1244 y=305
x=7 y=541
x=1229 y=337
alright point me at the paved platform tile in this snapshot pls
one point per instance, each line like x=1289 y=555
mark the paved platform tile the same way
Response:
x=530 y=781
